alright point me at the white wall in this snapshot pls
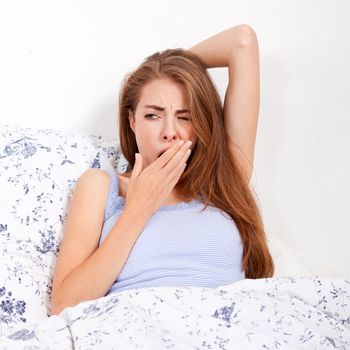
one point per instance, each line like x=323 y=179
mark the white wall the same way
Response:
x=62 y=63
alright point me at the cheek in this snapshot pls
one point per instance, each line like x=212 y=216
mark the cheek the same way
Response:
x=145 y=139
x=192 y=136
x=142 y=133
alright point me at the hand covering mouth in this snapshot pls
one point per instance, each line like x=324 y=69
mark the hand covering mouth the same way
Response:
x=161 y=153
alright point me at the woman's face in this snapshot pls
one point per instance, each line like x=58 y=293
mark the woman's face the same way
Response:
x=162 y=117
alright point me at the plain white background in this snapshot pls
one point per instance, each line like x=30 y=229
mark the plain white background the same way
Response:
x=62 y=63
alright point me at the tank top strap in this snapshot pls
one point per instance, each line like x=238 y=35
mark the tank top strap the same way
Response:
x=112 y=200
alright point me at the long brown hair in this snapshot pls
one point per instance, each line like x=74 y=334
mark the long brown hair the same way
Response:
x=213 y=175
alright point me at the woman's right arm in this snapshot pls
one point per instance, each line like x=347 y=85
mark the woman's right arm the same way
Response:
x=84 y=270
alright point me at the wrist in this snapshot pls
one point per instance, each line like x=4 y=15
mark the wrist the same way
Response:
x=136 y=215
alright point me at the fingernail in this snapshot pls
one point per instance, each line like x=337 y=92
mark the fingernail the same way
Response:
x=180 y=143
x=188 y=143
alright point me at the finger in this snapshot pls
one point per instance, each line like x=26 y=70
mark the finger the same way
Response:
x=137 y=169
x=179 y=158
x=176 y=174
x=167 y=155
x=179 y=167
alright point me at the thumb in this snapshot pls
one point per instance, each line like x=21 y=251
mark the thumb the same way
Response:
x=137 y=169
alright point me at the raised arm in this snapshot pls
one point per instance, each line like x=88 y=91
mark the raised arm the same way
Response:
x=237 y=48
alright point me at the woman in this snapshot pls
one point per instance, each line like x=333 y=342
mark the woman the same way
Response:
x=182 y=215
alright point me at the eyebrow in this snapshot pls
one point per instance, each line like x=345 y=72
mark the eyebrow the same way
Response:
x=158 y=108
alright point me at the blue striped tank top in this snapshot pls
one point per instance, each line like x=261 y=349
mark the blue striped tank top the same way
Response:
x=179 y=246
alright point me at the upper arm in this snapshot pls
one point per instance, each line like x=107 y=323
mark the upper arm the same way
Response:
x=242 y=99
x=84 y=223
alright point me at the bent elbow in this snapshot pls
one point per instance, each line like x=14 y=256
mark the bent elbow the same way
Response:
x=55 y=309
x=246 y=36
x=56 y=304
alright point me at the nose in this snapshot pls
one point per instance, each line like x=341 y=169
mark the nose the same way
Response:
x=169 y=132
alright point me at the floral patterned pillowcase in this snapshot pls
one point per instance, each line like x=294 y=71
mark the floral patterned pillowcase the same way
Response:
x=38 y=171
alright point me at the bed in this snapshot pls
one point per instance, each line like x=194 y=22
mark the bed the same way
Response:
x=295 y=309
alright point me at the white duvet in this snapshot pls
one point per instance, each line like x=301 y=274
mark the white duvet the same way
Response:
x=273 y=313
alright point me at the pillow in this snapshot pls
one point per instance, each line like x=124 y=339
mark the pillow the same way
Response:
x=289 y=262
x=38 y=172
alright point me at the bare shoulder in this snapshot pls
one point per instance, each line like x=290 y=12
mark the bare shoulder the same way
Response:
x=90 y=195
x=93 y=185
x=93 y=174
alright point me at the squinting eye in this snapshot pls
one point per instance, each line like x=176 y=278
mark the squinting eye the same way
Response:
x=150 y=115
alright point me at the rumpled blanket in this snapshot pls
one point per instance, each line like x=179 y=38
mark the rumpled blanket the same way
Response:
x=271 y=313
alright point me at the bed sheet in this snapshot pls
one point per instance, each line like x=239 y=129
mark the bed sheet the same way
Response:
x=284 y=312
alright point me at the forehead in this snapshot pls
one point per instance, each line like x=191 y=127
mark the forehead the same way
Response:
x=164 y=92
